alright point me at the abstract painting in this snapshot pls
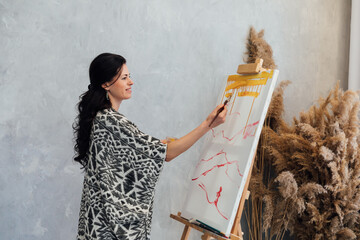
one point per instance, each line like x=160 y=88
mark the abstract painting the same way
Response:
x=221 y=172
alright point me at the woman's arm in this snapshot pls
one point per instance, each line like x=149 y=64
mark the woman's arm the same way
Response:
x=177 y=147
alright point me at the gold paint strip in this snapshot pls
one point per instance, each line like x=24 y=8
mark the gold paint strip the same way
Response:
x=251 y=94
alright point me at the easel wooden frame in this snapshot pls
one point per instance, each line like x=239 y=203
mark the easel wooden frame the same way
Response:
x=236 y=233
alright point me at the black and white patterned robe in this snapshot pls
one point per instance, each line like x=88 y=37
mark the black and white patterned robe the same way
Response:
x=123 y=167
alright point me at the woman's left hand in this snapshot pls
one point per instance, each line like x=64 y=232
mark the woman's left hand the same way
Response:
x=168 y=140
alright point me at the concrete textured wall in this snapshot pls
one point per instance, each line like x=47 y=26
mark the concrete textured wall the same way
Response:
x=178 y=52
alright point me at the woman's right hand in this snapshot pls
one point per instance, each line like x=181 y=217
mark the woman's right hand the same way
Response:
x=220 y=119
x=178 y=146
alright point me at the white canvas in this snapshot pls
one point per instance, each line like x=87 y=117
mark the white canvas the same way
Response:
x=221 y=173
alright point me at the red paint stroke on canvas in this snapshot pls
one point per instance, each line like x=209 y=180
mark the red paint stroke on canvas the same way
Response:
x=237 y=113
x=207 y=160
x=215 y=202
x=249 y=132
x=214 y=167
x=218 y=165
x=238 y=170
x=230 y=139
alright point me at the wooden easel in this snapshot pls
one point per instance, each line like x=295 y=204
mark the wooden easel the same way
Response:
x=236 y=233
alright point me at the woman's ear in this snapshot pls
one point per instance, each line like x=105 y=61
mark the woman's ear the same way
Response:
x=105 y=86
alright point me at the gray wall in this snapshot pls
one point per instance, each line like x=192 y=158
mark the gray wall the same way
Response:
x=178 y=52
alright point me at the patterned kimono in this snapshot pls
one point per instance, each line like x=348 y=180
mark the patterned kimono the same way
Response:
x=123 y=167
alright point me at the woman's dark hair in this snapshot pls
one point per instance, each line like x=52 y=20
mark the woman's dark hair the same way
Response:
x=102 y=69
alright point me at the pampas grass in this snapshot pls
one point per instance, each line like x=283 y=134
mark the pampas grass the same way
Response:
x=314 y=191
x=306 y=175
x=257 y=47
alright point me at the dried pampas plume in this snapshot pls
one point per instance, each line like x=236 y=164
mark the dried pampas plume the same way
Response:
x=258 y=219
x=257 y=47
x=313 y=188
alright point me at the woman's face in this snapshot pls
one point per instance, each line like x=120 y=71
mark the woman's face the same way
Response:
x=120 y=87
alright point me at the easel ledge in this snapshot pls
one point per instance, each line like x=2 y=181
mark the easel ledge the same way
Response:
x=236 y=233
x=188 y=225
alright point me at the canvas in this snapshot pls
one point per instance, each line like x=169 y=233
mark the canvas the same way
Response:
x=221 y=172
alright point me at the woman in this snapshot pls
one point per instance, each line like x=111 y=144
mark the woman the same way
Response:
x=121 y=163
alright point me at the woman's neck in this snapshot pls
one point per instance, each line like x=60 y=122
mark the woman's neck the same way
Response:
x=115 y=104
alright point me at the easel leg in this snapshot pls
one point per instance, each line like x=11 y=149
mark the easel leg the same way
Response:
x=236 y=229
x=186 y=233
x=240 y=233
x=205 y=237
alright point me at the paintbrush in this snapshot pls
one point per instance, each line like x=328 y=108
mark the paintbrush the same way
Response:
x=221 y=109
